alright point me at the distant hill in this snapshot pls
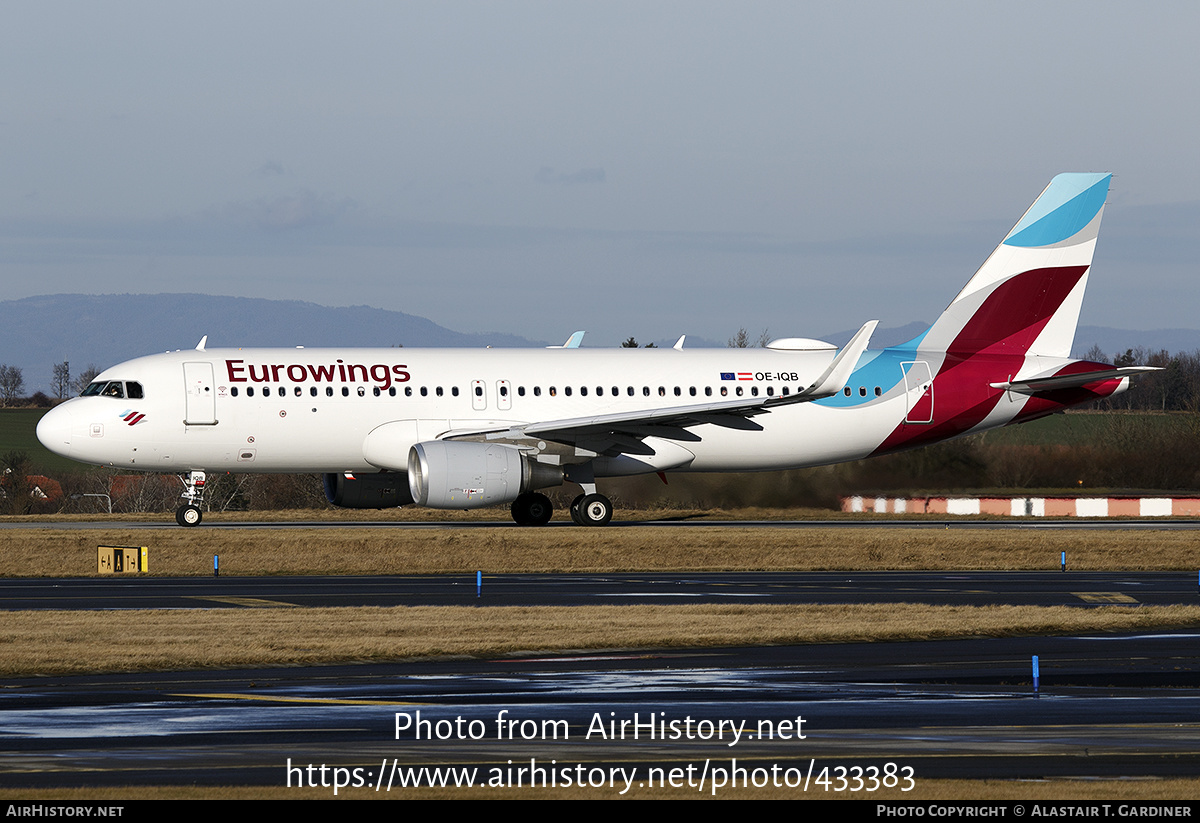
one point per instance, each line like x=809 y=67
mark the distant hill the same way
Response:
x=103 y=329
x=1115 y=341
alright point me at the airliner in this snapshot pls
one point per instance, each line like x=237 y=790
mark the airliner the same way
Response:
x=463 y=429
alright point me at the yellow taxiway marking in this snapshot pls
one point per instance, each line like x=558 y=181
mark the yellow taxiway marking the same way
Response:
x=255 y=602
x=281 y=699
x=1104 y=597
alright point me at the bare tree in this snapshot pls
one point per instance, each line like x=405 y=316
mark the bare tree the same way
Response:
x=85 y=377
x=62 y=379
x=12 y=383
x=631 y=343
x=741 y=340
x=14 y=482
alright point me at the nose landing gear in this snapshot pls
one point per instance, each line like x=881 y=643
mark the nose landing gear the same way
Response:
x=189 y=513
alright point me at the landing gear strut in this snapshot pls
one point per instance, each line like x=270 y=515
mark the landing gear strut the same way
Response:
x=589 y=508
x=189 y=513
x=532 y=509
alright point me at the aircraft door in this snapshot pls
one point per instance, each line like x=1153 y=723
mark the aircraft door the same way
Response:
x=201 y=396
x=503 y=395
x=918 y=390
x=478 y=395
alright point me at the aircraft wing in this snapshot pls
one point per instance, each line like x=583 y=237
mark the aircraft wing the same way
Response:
x=1041 y=383
x=622 y=432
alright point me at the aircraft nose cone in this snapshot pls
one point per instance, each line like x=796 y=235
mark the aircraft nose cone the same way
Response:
x=54 y=430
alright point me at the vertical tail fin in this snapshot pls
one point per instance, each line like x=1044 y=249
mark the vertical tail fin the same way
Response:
x=1026 y=296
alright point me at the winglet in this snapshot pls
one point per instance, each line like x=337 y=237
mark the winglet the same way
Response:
x=572 y=342
x=203 y=341
x=679 y=343
x=839 y=371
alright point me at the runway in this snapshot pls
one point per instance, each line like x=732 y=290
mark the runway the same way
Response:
x=962 y=588
x=1108 y=706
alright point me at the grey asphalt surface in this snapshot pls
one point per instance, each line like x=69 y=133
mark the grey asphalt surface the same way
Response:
x=1107 y=706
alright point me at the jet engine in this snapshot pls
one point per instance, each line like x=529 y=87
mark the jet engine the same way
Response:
x=376 y=490
x=446 y=474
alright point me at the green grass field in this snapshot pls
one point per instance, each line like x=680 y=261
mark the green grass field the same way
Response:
x=1078 y=428
x=18 y=432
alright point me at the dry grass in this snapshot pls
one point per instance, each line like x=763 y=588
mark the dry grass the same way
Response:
x=53 y=552
x=55 y=642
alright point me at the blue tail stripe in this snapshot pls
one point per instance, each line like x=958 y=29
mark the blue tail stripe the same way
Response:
x=1061 y=211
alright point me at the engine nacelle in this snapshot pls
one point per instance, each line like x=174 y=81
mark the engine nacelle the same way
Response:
x=445 y=474
x=376 y=490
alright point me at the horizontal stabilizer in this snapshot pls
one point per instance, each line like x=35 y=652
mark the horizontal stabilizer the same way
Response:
x=1033 y=385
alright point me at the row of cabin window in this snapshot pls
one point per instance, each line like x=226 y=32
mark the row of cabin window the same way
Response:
x=361 y=391
x=537 y=391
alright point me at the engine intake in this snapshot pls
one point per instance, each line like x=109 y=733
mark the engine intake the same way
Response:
x=455 y=475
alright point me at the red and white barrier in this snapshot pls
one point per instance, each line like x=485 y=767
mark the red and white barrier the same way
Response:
x=1029 y=506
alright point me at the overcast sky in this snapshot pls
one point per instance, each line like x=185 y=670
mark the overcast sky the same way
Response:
x=640 y=168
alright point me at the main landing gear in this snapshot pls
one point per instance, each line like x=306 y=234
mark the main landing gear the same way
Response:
x=532 y=509
x=591 y=510
x=189 y=513
x=535 y=509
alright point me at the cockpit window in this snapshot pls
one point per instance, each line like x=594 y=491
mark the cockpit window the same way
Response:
x=133 y=390
x=112 y=388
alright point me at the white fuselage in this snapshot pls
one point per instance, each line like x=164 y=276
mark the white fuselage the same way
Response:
x=313 y=410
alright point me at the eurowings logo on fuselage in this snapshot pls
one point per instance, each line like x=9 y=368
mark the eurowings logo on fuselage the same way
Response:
x=383 y=375
x=132 y=417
